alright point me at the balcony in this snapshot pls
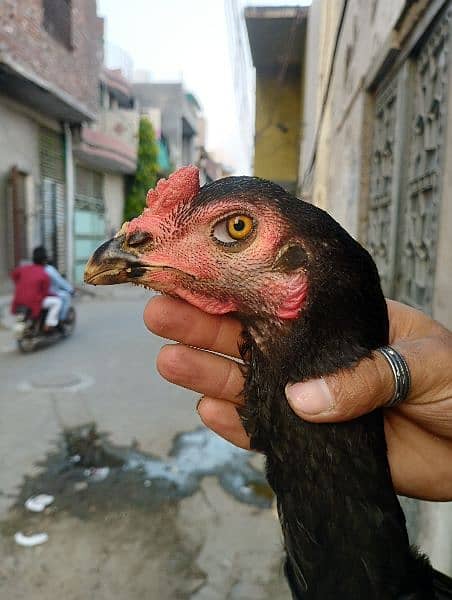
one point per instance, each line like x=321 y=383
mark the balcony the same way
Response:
x=110 y=144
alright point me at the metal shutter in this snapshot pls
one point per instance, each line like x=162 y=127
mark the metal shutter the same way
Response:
x=53 y=196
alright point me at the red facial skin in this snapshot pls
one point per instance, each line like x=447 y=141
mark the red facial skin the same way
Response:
x=214 y=277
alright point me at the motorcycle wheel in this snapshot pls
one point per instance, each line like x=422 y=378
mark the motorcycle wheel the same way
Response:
x=69 y=324
x=26 y=344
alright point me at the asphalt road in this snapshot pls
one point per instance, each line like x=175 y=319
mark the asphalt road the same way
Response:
x=126 y=537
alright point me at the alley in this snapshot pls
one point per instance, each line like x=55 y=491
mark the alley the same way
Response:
x=126 y=536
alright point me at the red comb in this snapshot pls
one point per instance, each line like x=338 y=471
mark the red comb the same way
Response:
x=180 y=187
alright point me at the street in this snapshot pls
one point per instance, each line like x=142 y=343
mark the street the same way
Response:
x=147 y=504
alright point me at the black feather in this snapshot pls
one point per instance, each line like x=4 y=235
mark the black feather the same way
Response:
x=344 y=530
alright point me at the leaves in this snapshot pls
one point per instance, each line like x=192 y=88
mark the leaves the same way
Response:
x=147 y=170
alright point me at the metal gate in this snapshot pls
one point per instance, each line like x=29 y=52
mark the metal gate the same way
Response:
x=89 y=217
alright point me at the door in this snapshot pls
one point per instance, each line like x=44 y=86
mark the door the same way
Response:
x=89 y=217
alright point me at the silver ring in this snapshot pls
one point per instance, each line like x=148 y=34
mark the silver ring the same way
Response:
x=401 y=372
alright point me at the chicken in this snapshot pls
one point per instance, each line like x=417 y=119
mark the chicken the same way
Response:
x=309 y=298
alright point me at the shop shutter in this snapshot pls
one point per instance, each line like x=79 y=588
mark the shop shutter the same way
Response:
x=53 y=201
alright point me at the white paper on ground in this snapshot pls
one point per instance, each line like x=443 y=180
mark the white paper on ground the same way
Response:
x=39 y=503
x=30 y=540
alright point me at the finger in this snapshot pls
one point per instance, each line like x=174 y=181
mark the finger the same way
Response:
x=354 y=392
x=406 y=322
x=221 y=417
x=346 y=395
x=203 y=372
x=179 y=321
x=420 y=462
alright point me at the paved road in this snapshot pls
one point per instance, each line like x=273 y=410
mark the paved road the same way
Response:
x=111 y=360
x=204 y=545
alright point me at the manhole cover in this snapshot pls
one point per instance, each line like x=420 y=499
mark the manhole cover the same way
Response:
x=57 y=381
x=63 y=380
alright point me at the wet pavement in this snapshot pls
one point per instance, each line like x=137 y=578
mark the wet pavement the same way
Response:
x=148 y=504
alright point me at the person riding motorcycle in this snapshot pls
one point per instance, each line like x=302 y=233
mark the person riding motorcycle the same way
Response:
x=33 y=290
x=61 y=288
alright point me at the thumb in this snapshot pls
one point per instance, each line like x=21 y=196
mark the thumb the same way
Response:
x=345 y=395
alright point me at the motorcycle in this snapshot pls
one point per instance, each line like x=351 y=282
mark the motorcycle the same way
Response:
x=30 y=333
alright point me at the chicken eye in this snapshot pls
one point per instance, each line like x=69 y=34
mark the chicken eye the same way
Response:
x=233 y=229
x=239 y=227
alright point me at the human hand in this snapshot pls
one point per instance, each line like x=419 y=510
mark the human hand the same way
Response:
x=418 y=432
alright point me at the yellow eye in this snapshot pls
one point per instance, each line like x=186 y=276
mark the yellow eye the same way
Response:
x=239 y=227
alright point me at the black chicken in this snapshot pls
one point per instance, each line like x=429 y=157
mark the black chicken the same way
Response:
x=310 y=300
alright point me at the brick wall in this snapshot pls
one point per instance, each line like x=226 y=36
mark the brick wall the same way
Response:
x=74 y=70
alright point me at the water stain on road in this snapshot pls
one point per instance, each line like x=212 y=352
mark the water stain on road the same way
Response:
x=200 y=453
x=137 y=480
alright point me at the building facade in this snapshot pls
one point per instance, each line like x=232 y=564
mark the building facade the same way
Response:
x=105 y=154
x=178 y=118
x=50 y=58
x=279 y=85
x=64 y=141
x=385 y=120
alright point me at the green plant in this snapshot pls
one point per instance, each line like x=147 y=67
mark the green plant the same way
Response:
x=147 y=169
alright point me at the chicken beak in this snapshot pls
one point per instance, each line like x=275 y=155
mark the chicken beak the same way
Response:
x=111 y=264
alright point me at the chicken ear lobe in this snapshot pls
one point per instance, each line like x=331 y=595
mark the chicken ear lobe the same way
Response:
x=291 y=257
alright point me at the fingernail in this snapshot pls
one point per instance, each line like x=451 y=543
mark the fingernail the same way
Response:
x=310 y=397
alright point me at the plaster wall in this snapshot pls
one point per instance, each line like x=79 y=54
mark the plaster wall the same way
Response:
x=114 y=202
x=277 y=128
x=18 y=147
x=335 y=183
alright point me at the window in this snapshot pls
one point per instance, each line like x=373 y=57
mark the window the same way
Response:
x=58 y=21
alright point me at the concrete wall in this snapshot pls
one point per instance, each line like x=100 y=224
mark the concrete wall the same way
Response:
x=335 y=183
x=18 y=147
x=74 y=70
x=114 y=202
x=277 y=135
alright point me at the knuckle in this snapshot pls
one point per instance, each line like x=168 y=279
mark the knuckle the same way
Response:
x=230 y=387
x=359 y=390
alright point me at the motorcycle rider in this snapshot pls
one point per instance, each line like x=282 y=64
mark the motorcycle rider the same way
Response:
x=32 y=289
x=61 y=288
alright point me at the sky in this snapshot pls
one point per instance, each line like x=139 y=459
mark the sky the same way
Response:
x=187 y=40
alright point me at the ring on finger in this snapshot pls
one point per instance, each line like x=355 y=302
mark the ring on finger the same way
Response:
x=401 y=373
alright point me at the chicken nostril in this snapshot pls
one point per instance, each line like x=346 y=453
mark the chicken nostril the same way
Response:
x=138 y=237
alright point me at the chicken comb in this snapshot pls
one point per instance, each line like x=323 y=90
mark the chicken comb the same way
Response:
x=180 y=187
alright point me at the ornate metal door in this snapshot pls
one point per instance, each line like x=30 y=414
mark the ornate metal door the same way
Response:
x=415 y=269
x=382 y=204
x=407 y=154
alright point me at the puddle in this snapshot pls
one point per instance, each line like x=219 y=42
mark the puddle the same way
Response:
x=200 y=453
x=135 y=479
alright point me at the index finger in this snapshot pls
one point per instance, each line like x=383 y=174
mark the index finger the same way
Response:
x=179 y=321
x=409 y=323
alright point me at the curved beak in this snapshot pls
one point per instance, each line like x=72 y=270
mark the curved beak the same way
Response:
x=111 y=264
